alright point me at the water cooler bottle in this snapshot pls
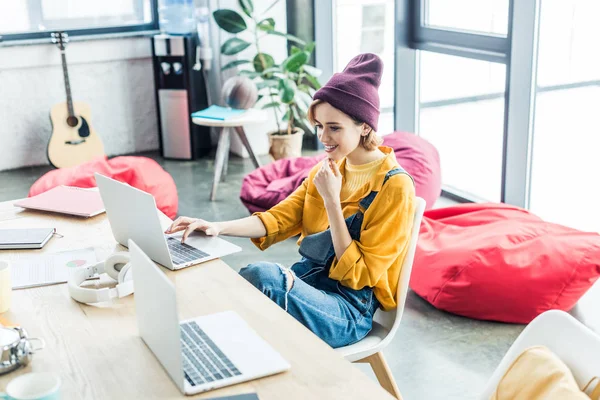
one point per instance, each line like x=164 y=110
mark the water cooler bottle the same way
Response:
x=180 y=90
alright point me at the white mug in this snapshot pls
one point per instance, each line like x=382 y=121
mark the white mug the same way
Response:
x=5 y=286
x=33 y=386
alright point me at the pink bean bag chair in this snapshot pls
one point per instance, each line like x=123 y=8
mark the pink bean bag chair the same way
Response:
x=140 y=172
x=268 y=185
x=502 y=263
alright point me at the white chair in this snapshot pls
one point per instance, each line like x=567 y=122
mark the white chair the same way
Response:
x=574 y=343
x=385 y=323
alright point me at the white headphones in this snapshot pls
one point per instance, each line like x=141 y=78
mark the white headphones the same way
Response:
x=123 y=276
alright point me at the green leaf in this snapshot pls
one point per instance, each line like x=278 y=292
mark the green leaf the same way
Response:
x=267 y=24
x=233 y=46
x=270 y=70
x=286 y=116
x=249 y=74
x=260 y=96
x=247 y=6
x=316 y=72
x=310 y=46
x=230 y=21
x=313 y=81
x=273 y=72
x=295 y=61
x=267 y=83
x=234 y=64
x=287 y=90
x=262 y=61
x=303 y=101
x=289 y=37
x=304 y=88
x=295 y=49
x=271 y=105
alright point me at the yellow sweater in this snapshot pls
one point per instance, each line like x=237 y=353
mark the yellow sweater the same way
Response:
x=374 y=261
x=357 y=175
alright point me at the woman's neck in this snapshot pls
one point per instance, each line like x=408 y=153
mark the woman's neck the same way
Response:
x=362 y=156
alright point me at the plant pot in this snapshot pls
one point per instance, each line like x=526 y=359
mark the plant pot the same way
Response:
x=284 y=145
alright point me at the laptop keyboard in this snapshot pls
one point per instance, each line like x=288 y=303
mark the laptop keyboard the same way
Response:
x=203 y=361
x=182 y=253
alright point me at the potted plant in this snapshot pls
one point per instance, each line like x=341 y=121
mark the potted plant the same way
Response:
x=287 y=86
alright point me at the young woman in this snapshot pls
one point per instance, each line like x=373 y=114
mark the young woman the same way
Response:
x=354 y=213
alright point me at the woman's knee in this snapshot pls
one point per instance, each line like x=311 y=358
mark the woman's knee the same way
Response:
x=264 y=276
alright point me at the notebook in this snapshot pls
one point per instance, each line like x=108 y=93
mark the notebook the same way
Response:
x=218 y=113
x=24 y=238
x=247 y=396
x=66 y=200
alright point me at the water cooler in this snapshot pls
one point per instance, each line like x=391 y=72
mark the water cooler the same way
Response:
x=180 y=90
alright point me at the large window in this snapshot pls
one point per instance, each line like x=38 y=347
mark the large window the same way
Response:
x=22 y=19
x=566 y=139
x=367 y=26
x=462 y=113
x=460 y=92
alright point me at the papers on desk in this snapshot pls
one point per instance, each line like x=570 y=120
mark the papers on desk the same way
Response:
x=47 y=269
x=218 y=113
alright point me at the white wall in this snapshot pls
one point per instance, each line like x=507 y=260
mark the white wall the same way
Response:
x=114 y=76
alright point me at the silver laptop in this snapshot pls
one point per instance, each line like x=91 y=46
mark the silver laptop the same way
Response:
x=133 y=215
x=199 y=354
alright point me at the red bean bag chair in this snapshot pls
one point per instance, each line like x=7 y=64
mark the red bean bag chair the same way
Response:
x=268 y=185
x=502 y=263
x=140 y=172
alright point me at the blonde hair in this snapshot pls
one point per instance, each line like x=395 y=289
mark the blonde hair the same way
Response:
x=369 y=141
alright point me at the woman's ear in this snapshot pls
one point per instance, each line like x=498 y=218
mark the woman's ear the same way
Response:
x=366 y=130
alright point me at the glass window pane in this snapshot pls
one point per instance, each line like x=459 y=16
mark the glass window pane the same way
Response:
x=462 y=114
x=50 y=15
x=568 y=45
x=363 y=26
x=482 y=16
x=565 y=162
x=14 y=16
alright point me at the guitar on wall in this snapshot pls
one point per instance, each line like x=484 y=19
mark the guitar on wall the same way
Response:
x=73 y=139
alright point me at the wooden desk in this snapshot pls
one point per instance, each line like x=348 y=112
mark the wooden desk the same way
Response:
x=98 y=354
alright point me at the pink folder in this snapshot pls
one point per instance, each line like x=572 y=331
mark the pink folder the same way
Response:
x=66 y=200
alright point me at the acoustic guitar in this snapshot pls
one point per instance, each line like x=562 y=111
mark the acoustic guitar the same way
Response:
x=73 y=139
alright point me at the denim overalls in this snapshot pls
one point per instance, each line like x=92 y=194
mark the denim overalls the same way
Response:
x=337 y=314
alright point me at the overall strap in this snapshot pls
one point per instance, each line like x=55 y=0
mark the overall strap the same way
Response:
x=365 y=203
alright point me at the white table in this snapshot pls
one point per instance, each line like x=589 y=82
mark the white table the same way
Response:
x=251 y=116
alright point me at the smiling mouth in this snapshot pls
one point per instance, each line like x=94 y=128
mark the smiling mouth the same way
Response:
x=329 y=149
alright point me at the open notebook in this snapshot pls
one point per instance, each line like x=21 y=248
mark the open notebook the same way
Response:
x=66 y=200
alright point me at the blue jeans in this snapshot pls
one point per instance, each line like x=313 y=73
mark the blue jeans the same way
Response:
x=338 y=315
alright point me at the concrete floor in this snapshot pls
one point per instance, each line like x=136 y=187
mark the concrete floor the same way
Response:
x=435 y=355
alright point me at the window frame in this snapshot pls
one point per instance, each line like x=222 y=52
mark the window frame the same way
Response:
x=518 y=105
x=15 y=38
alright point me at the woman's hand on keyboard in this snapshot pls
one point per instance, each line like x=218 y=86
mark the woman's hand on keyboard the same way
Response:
x=188 y=225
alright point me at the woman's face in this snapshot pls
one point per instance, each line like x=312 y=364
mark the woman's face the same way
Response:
x=337 y=131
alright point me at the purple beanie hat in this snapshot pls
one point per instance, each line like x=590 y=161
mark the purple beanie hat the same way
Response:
x=354 y=90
